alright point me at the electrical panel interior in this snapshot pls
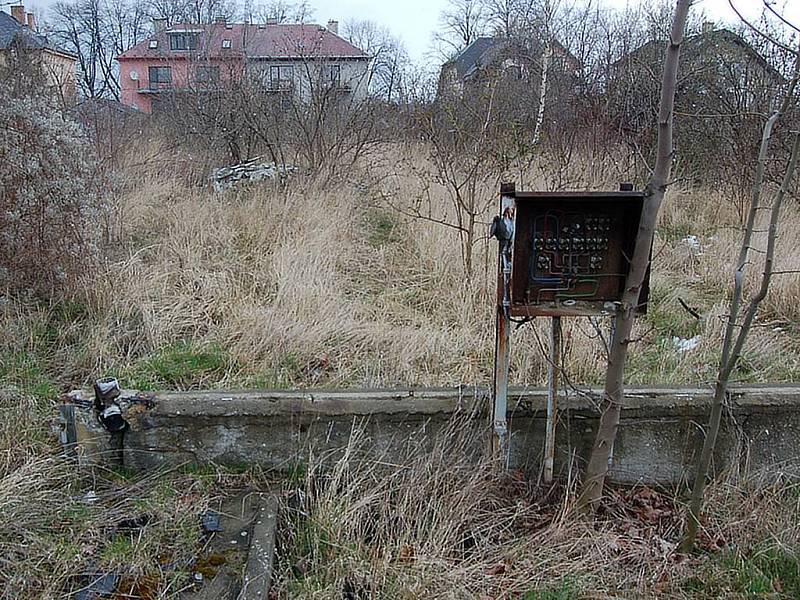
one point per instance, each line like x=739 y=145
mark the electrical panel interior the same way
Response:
x=571 y=252
x=569 y=255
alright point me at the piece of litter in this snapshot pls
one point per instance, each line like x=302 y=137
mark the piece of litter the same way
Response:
x=210 y=521
x=243 y=534
x=105 y=583
x=198 y=577
x=693 y=242
x=91 y=497
x=686 y=345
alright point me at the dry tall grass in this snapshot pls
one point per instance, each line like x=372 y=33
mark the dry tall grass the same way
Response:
x=438 y=525
x=325 y=284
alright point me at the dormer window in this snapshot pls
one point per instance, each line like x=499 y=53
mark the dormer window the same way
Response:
x=182 y=41
x=226 y=44
x=153 y=44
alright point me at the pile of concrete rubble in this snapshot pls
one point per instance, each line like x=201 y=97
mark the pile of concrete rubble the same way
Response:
x=252 y=170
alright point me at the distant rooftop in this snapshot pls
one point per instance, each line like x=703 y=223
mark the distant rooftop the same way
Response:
x=11 y=30
x=222 y=40
x=470 y=57
x=483 y=50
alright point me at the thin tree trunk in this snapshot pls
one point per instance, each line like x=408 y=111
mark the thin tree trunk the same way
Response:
x=592 y=489
x=537 y=131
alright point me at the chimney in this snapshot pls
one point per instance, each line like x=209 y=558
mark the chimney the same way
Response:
x=220 y=19
x=18 y=12
x=272 y=21
x=31 y=21
x=333 y=27
x=159 y=24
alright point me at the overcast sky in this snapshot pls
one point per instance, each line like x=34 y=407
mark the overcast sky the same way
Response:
x=414 y=21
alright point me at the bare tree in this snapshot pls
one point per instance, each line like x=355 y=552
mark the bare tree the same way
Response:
x=205 y=11
x=461 y=23
x=97 y=31
x=509 y=18
x=316 y=118
x=78 y=27
x=388 y=57
x=471 y=141
x=278 y=11
x=613 y=391
x=173 y=11
x=738 y=327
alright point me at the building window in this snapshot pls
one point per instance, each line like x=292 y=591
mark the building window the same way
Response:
x=160 y=77
x=153 y=44
x=226 y=44
x=335 y=75
x=281 y=76
x=207 y=75
x=182 y=41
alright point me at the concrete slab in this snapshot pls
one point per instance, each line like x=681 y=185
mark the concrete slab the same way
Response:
x=258 y=572
x=219 y=567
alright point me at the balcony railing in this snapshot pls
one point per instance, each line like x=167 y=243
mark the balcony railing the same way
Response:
x=280 y=85
x=157 y=86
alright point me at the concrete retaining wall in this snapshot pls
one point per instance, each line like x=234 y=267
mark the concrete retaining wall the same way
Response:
x=659 y=435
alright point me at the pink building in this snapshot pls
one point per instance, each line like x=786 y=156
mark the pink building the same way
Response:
x=285 y=57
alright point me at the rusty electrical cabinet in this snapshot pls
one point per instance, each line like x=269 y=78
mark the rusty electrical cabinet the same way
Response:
x=561 y=254
x=571 y=251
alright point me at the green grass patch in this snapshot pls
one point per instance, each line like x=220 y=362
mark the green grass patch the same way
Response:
x=669 y=318
x=119 y=550
x=122 y=474
x=181 y=365
x=287 y=373
x=658 y=360
x=383 y=229
x=69 y=311
x=770 y=572
x=25 y=372
x=564 y=590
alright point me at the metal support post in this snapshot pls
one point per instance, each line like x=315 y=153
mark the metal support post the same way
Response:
x=553 y=366
x=503 y=229
x=500 y=441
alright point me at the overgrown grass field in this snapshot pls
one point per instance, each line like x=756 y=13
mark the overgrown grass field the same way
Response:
x=324 y=283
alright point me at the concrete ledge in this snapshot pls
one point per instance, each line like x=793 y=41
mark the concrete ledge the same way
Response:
x=449 y=400
x=659 y=434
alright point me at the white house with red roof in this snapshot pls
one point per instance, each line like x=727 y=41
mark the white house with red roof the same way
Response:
x=290 y=59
